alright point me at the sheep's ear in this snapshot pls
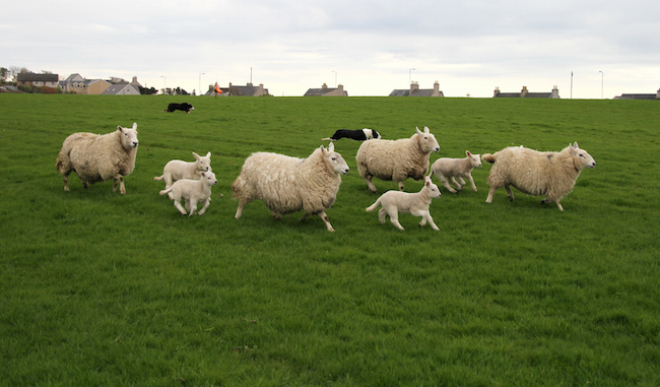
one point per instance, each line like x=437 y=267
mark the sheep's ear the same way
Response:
x=134 y=125
x=575 y=145
x=208 y=155
x=196 y=156
x=119 y=128
x=323 y=149
x=331 y=147
x=426 y=129
x=418 y=131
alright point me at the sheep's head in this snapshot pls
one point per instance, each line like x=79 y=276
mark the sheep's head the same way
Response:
x=475 y=160
x=335 y=160
x=129 y=138
x=583 y=158
x=428 y=143
x=434 y=191
x=203 y=163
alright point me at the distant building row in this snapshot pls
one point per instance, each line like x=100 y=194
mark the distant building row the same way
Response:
x=75 y=83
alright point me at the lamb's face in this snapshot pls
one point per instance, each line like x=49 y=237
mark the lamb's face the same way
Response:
x=129 y=136
x=209 y=178
x=475 y=160
x=434 y=191
x=203 y=163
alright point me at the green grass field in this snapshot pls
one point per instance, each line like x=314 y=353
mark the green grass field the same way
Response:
x=99 y=289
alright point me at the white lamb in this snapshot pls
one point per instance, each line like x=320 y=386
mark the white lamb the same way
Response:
x=456 y=171
x=289 y=184
x=192 y=192
x=96 y=157
x=176 y=169
x=552 y=174
x=417 y=204
x=396 y=160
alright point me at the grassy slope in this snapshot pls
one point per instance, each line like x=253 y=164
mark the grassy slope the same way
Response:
x=100 y=289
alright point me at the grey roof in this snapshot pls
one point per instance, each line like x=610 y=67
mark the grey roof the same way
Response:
x=637 y=96
x=116 y=88
x=32 y=77
x=400 y=93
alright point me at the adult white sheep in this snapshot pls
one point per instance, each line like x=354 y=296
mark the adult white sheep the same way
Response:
x=289 y=184
x=552 y=174
x=417 y=204
x=96 y=157
x=456 y=171
x=396 y=160
x=177 y=169
x=192 y=192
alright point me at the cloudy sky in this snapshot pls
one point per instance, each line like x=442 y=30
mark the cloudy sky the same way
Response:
x=371 y=47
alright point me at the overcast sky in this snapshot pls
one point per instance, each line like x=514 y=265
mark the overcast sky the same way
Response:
x=371 y=47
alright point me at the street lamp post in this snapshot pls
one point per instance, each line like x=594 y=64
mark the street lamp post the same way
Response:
x=601 y=84
x=200 y=83
x=335 y=77
x=410 y=76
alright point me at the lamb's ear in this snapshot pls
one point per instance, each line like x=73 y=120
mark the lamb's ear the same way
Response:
x=426 y=129
x=208 y=155
x=467 y=153
x=119 y=128
x=196 y=156
x=134 y=125
x=203 y=174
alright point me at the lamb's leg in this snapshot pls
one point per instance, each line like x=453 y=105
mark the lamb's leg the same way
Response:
x=401 y=186
x=430 y=219
x=509 y=192
x=381 y=215
x=206 y=205
x=179 y=207
x=168 y=183
x=324 y=217
x=394 y=218
x=192 y=204
x=459 y=182
x=445 y=183
x=474 y=186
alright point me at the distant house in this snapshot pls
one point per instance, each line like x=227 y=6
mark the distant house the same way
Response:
x=415 y=91
x=37 y=80
x=123 y=88
x=326 y=91
x=655 y=96
x=524 y=93
x=249 y=90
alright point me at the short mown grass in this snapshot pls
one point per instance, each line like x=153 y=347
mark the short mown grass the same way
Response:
x=99 y=289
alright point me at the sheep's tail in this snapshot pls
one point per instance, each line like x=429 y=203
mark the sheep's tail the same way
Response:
x=373 y=206
x=159 y=178
x=488 y=157
x=165 y=191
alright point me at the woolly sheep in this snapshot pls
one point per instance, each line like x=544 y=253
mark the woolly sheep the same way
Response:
x=176 y=169
x=456 y=171
x=396 y=160
x=552 y=174
x=288 y=184
x=193 y=192
x=417 y=204
x=96 y=157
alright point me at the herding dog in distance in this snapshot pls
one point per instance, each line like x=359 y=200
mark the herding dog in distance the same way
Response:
x=186 y=107
x=357 y=135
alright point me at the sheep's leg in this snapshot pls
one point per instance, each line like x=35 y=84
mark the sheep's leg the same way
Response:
x=206 y=205
x=474 y=186
x=509 y=192
x=276 y=215
x=368 y=179
x=445 y=183
x=382 y=215
x=65 y=177
x=324 y=217
x=118 y=179
x=493 y=188
x=239 y=210
x=85 y=185
x=179 y=207
x=544 y=201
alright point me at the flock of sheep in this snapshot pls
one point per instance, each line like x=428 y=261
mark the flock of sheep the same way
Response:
x=290 y=184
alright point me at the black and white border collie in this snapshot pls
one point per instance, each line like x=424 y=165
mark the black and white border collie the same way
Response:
x=357 y=135
x=186 y=107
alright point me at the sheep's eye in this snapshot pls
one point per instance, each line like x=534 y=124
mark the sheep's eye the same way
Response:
x=581 y=155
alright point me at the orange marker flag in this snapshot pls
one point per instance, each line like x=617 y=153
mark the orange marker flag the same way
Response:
x=217 y=88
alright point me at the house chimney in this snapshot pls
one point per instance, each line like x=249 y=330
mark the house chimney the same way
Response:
x=436 y=87
x=497 y=91
x=555 y=92
x=324 y=86
x=657 y=95
x=524 y=91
